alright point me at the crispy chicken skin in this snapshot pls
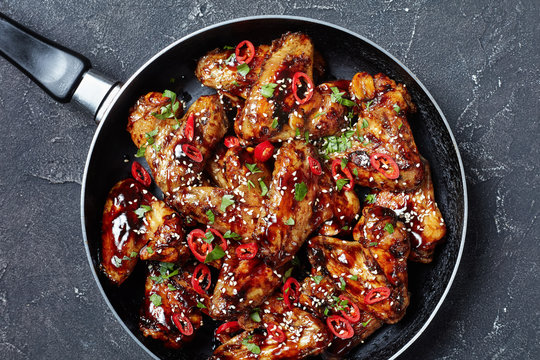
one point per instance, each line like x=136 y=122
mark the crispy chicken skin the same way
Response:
x=156 y=235
x=343 y=260
x=305 y=334
x=161 y=303
x=382 y=128
x=421 y=215
x=292 y=53
x=170 y=166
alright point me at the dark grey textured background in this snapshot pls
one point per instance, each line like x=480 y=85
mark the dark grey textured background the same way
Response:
x=479 y=59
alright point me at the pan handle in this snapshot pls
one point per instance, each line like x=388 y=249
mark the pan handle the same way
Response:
x=62 y=73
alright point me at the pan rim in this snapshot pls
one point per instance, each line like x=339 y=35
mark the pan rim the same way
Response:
x=283 y=17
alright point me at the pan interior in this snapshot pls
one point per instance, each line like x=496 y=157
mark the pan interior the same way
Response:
x=345 y=54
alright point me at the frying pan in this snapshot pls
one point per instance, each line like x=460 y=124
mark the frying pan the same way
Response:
x=67 y=76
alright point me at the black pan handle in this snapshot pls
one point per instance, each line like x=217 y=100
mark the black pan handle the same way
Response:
x=62 y=73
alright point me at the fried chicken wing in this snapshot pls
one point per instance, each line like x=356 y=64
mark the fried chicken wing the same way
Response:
x=382 y=130
x=421 y=215
x=176 y=160
x=292 y=53
x=164 y=309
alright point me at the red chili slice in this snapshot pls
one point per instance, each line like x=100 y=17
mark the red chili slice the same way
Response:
x=276 y=333
x=183 y=324
x=297 y=80
x=228 y=327
x=205 y=247
x=247 y=251
x=140 y=174
x=336 y=323
x=264 y=151
x=189 y=130
x=218 y=234
x=201 y=275
x=192 y=152
x=249 y=53
x=382 y=292
x=315 y=166
x=231 y=141
x=289 y=292
x=379 y=160
x=352 y=316
x=336 y=167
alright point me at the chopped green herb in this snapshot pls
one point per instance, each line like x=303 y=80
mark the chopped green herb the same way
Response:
x=133 y=254
x=168 y=111
x=344 y=162
x=155 y=299
x=300 y=191
x=343 y=283
x=364 y=324
x=345 y=228
x=215 y=254
x=200 y=305
x=317 y=279
x=243 y=69
x=389 y=228
x=208 y=237
x=297 y=132
x=141 y=152
x=289 y=221
x=171 y=287
x=255 y=316
x=253 y=168
x=287 y=273
x=149 y=250
x=264 y=188
x=340 y=183
x=369 y=104
x=370 y=198
x=254 y=348
x=306 y=136
x=400 y=125
x=340 y=143
x=231 y=235
x=337 y=97
x=267 y=90
x=355 y=172
x=142 y=210
x=156 y=279
x=226 y=201
x=126 y=258
x=235 y=83
x=374 y=243
x=275 y=123
x=211 y=217
x=354 y=278
x=365 y=123
x=397 y=109
x=326 y=311
x=116 y=261
x=319 y=114
x=230 y=59
x=228 y=47
x=250 y=184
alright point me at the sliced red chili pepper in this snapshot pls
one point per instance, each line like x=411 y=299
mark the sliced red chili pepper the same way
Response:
x=201 y=275
x=218 y=234
x=381 y=162
x=247 y=251
x=276 y=333
x=140 y=174
x=156 y=98
x=376 y=295
x=228 y=327
x=264 y=151
x=309 y=83
x=353 y=313
x=183 y=324
x=340 y=326
x=205 y=247
x=315 y=166
x=289 y=292
x=192 y=152
x=249 y=53
x=336 y=168
x=189 y=129
x=231 y=141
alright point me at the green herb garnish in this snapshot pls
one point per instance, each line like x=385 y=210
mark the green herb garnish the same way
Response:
x=343 y=283
x=231 y=235
x=267 y=90
x=255 y=316
x=142 y=210
x=290 y=221
x=253 y=168
x=226 y=201
x=211 y=217
x=317 y=279
x=275 y=123
x=397 y=109
x=389 y=228
x=155 y=299
x=264 y=188
x=200 y=305
x=243 y=69
x=371 y=198
x=300 y=191
x=337 y=97
x=340 y=183
x=254 y=348
x=215 y=254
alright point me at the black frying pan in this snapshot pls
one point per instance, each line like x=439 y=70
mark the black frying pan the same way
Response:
x=66 y=76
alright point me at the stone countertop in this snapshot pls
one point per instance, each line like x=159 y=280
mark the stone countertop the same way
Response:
x=480 y=61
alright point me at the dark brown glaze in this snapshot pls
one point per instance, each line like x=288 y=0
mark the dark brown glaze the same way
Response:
x=292 y=53
x=157 y=320
x=306 y=335
x=170 y=167
x=122 y=234
x=386 y=131
x=343 y=260
x=420 y=214
x=242 y=285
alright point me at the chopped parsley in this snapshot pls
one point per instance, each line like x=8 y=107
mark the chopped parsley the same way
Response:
x=211 y=217
x=342 y=283
x=141 y=151
x=355 y=172
x=319 y=114
x=345 y=228
x=155 y=299
x=226 y=201
x=255 y=316
x=250 y=184
x=228 y=47
x=287 y=273
x=371 y=198
x=254 y=348
x=116 y=261
x=374 y=243
x=290 y=221
x=306 y=136
x=389 y=228
x=340 y=183
x=264 y=188
x=133 y=254
x=317 y=279
x=142 y=210
x=344 y=162
x=208 y=237
x=400 y=125
x=369 y=104
x=149 y=250
x=253 y=168
x=297 y=132
x=353 y=278
x=200 y=305
x=267 y=90
x=231 y=235
x=397 y=109
x=243 y=69
x=365 y=123
x=168 y=111
x=275 y=123
x=215 y=254
x=364 y=324
x=171 y=287
x=300 y=191
x=338 y=143
x=337 y=97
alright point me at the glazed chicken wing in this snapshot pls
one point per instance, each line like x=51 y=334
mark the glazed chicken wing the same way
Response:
x=177 y=151
x=421 y=215
x=382 y=137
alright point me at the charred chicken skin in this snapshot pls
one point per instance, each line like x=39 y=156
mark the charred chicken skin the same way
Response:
x=260 y=227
